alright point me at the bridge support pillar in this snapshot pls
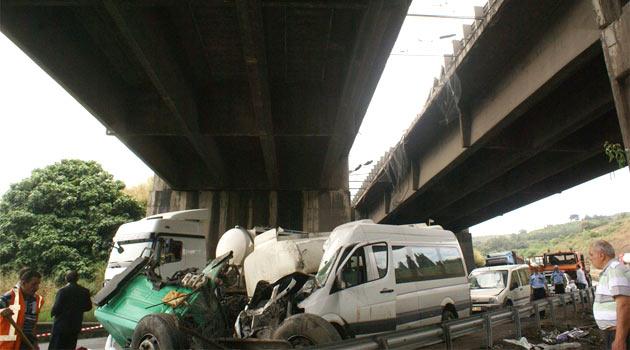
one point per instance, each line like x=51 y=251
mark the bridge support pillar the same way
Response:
x=312 y=211
x=614 y=21
x=465 y=242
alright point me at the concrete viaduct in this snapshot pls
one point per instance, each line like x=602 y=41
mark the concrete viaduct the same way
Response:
x=246 y=107
x=521 y=111
x=249 y=107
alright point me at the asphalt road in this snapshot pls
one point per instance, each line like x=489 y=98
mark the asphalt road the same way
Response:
x=89 y=343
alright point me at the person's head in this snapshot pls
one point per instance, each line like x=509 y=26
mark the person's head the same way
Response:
x=555 y=268
x=579 y=267
x=72 y=276
x=539 y=269
x=29 y=281
x=600 y=253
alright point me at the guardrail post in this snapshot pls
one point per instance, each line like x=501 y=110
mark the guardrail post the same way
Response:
x=516 y=317
x=574 y=303
x=488 y=325
x=551 y=311
x=564 y=306
x=537 y=315
x=447 y=336
x=382 y=342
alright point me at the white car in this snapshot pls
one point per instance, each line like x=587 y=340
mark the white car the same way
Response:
x=499 y=286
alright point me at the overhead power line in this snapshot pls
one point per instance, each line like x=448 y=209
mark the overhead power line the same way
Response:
x=441 y=16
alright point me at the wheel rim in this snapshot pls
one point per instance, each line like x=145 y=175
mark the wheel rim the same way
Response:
x=299 y=341
x=149 y=342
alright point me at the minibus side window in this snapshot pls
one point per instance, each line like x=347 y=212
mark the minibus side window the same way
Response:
x=380 y=256
x=354 y=271
x=428 y=262
x=405 y=268
x=452 y=262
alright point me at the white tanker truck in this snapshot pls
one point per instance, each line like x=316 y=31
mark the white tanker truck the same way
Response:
x=284 y=250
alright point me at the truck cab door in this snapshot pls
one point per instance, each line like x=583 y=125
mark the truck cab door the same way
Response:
x=364 y=290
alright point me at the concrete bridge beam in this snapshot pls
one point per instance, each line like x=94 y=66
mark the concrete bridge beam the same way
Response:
x=313 y=211
x=614 y=22
x=465 y=242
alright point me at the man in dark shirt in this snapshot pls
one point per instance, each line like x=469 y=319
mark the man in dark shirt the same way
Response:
x=70 y=303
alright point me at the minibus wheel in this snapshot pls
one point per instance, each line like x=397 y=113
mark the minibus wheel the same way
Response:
x=304 y=330
x=158 y=331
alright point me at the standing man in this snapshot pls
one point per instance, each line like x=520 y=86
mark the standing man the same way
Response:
x=539 y=286
x=70 y=303
x=22 y=304
x=538 y=283
x=557 y=277
x=611 y=307
x=581 y=280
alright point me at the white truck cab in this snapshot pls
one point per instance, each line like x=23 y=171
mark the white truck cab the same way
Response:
x=499 y=286
x=187 y=229
x=375 y=278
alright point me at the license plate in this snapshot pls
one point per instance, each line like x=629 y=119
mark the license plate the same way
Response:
x=476 y=308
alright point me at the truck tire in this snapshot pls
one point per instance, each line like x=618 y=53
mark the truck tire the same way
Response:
x=158 y=331
x=303 y=330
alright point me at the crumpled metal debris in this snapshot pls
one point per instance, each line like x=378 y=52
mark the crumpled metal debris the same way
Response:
x=524 y=343
x=555 y=337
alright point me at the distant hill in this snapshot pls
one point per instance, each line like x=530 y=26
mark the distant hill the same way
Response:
x=574 y=234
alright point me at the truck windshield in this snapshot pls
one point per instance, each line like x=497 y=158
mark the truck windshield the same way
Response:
x=325 y=266
x=488 y=279
x=132 y=249
x=560 y=259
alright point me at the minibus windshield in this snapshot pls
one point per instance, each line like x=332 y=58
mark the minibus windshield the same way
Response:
x=325 y=266
x=489 y=279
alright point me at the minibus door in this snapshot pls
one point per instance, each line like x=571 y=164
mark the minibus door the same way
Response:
x=366 y=297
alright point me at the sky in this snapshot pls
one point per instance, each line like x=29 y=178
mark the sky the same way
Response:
x=42 y=124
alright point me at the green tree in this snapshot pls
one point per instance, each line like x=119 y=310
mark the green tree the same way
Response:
x=60 y=216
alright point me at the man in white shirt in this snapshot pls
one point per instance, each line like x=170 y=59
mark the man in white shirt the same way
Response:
x=580 y=281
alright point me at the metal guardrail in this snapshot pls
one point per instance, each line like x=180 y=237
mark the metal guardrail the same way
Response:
x=445 y=333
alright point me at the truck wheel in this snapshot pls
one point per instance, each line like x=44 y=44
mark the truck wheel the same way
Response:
x=158 y=331
x=303 y=330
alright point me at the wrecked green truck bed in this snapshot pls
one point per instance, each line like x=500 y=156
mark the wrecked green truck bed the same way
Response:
x=189 y=310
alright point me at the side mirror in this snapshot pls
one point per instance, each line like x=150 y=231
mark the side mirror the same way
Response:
x=514 y=286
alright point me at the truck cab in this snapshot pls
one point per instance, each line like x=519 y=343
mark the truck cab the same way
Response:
x=187 y=230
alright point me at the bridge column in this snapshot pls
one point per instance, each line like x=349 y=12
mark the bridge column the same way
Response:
x=312 y=211
x=465 y=242
x=614 y=22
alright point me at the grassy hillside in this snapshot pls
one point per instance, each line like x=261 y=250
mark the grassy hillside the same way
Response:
x=575 y=234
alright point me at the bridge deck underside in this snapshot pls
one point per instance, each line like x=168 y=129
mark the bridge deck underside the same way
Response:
x=240 y=94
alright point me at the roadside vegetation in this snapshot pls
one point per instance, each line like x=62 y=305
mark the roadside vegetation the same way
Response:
x=576 y=234
x=48 y=289
x=62 y=217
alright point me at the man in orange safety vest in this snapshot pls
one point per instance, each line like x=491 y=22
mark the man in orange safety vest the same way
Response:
x=22 y=304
